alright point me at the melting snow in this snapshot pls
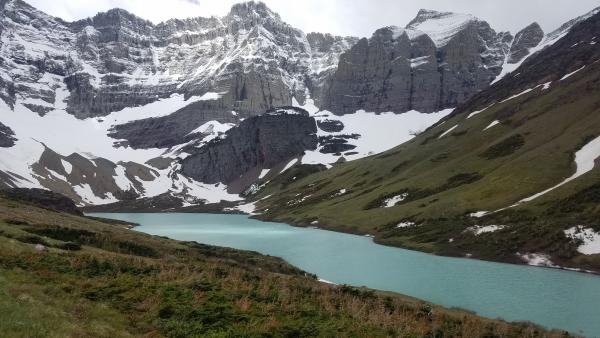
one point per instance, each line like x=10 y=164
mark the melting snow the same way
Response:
x=392 y=201
x=448 y=131
x=211 y=96
x=478 y=214
x=290 y=164
x=68 y=167
x=405 y=224
x=491 y=124
x=537 y=259
x=584 y=159
x=482 y=229
x=517 y=95
x=479 y=111
x=263 y=173
x=570 y=74
x=589 y=237
x=546 y=85
x=378 y=132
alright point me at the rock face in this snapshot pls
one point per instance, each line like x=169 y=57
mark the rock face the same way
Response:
x=262 y=141
x=525 y=39
x=6 y=136
x=171 y=130
x=439 y=60
x=42 y=198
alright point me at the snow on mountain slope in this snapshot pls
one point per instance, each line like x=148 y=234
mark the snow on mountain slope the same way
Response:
x=440 y=26
x=548 y=40
x=67 y=89
x=366 y=133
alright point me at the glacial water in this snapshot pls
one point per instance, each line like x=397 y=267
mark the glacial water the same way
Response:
x=549 y=297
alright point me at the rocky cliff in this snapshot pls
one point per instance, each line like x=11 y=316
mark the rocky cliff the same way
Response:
x=526 y=39
x=258 y=142
x=438 y=61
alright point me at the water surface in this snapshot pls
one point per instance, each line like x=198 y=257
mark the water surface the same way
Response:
x=549 y=297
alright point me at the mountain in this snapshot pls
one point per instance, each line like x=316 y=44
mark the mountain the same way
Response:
x=438 y=61
x=509 y=175
x=114 y=108
x=113 y=98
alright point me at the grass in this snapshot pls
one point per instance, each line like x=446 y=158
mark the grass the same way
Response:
x=448 y=178
x=156 y=287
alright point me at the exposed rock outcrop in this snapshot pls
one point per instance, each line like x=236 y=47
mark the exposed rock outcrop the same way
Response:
x=420 y=67
x=262 y=141
x=7 y=136
x=525 y=39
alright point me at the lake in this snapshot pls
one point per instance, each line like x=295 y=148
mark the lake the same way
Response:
x=552 y=298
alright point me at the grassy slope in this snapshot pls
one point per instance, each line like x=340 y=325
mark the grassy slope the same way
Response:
x=120 y=283
x=470 y=170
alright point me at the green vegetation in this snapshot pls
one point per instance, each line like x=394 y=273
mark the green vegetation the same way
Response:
x=99 y=279
x=446 y=179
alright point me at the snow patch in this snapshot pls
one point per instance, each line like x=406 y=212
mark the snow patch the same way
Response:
x=584 y=160
x=482 y=229
x=537 y=259
x=263 y=173
x=478 y=214
x=570 y=74
x=517 y=95
x=289 y=165
x=405 y=224
x=209 y=96
x=495 y=122
x=447 y=131
x=590 y=239
x=67 y=166
x=479 y=111
x=392 y=201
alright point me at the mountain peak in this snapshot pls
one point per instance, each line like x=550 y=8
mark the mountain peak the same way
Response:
x=440 y=26
x=252 y=8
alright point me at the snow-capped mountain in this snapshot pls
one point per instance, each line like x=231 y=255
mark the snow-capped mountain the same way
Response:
x=114 y=107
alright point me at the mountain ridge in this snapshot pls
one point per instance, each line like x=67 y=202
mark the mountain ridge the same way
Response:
x=143 y=98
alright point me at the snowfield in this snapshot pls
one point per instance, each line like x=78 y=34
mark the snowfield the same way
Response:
x=378 y=132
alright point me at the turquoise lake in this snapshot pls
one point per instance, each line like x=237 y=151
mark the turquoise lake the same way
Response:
x=549 y=297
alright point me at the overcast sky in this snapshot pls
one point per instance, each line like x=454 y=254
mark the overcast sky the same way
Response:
x=341 y=17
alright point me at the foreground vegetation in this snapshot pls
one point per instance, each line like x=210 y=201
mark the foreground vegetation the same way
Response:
x=63 y=275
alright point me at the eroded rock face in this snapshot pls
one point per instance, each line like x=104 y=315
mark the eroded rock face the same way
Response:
x=525 y=39
x=262 y=141
x=426 y=70
x=7 y=138
x=173 y=129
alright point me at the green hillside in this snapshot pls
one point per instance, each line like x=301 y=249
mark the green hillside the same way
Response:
x=97 y=279
x=458 y=167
